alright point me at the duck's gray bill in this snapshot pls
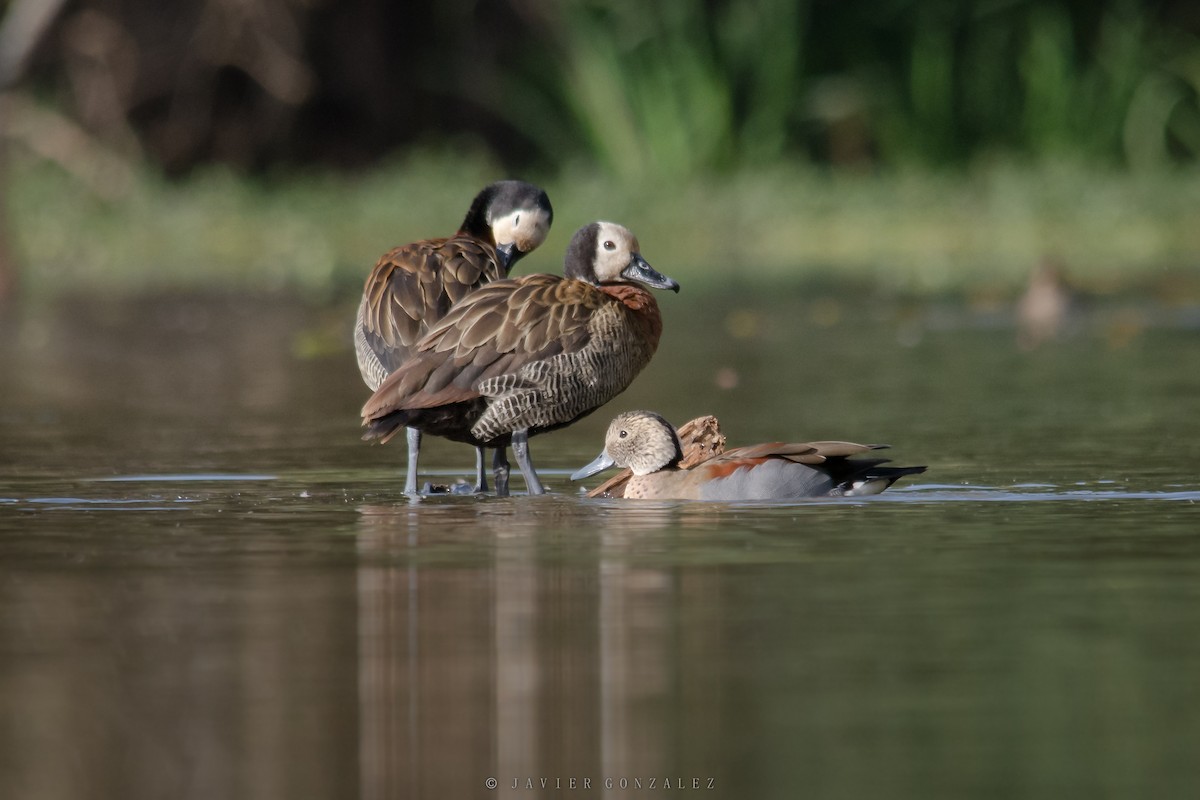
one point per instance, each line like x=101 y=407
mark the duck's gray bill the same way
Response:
x=602 y=462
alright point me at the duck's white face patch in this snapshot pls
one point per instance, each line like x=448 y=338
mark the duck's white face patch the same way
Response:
x=615 y=248
x=527 y=228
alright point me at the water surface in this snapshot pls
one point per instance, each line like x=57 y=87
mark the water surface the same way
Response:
x=209 y=587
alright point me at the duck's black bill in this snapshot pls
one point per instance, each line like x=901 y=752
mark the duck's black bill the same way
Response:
x=639 y=270
x=507 y=252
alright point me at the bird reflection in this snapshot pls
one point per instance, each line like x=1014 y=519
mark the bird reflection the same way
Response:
x=503 y=637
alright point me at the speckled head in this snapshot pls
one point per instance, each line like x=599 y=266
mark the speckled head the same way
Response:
x=605 y=252
x=640 y=440
x=515 y=216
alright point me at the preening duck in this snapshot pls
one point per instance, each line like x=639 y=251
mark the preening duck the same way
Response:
x=414 y=285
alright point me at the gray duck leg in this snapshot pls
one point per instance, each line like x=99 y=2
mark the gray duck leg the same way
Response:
x=520 y=446
x=414 y=452
x=501 y=470
x=480 y=476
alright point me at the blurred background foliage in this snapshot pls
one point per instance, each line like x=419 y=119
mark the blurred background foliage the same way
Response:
x=740 y=109
x=662 y=88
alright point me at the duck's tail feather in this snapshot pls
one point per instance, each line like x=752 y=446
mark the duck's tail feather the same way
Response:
x=875 y=479
x=385 y=427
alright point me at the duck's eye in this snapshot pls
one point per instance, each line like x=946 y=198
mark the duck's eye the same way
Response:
x=517 y=220
x=610 y=245
x=623 y=434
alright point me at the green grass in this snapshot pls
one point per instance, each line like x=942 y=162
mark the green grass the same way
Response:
x=918 y=232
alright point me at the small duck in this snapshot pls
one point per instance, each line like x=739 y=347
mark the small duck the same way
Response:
x=701 y=439
x=650 y=447
x=523 y=356
x=1046 y=307
x=414 y=285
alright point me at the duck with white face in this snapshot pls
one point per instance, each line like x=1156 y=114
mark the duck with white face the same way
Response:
x=533 y=354
x=413 y=286
x=521 y=230
x=608 y=253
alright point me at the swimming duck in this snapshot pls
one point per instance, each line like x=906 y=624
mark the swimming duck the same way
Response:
x=701 y=439
x=414 y=285
x=1046 y=306
x=523 y=356
x=650 y=447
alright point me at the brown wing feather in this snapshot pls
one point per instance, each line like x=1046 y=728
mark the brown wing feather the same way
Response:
x=800 y=452
x=486 y=336
x=794 y=451
x=413 y=286
x=844 y=449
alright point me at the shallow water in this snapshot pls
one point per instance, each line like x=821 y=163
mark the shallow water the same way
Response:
x=210 y=588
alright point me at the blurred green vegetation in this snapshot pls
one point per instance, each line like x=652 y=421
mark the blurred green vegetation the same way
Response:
x=661 y=89
x=678 y=87
x=916 y=145
x=907 y=231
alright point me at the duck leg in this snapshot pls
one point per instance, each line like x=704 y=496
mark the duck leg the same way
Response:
x=500 y=471
x=520 y=446
x=480 y=474
x=414 y=452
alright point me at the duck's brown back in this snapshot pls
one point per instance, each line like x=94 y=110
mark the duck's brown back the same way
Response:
x=623 y=332
x=539 y=351
x=409 y=290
